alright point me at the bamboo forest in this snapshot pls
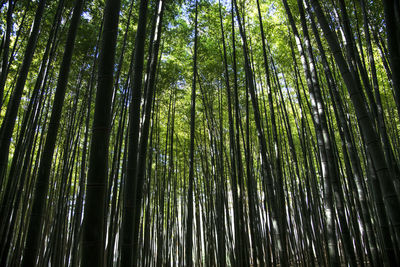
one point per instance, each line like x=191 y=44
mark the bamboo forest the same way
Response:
x=200 y=133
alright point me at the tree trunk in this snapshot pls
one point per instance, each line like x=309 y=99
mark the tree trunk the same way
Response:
x=189 y=219
x=42 y=182
x=374 y=147
x=93 y=221
x=128 y=223
x=7 y=126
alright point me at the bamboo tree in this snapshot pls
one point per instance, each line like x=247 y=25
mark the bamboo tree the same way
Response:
x=140 y=173
x=355 y=168
x=302 y=169
x=42 y=182
x=277 y=152
x=189 y=219
x=8 y=123
x=5 y=50
x=128 y=217
x=393 y=46
x=373 y=145
x=93 y=229
x=267 y=173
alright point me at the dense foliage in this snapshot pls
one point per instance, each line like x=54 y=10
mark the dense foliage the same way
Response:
x=203 y=132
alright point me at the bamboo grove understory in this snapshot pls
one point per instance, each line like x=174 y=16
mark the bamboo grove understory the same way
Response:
x=200 y=133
